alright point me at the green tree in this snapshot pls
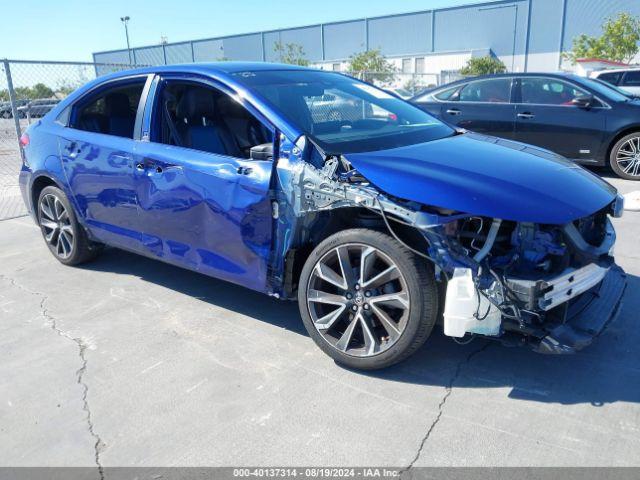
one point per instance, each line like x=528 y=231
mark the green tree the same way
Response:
x=40 y=90
x=618 y=42
x=290 y=53
x=483 y=66
x=371 y=66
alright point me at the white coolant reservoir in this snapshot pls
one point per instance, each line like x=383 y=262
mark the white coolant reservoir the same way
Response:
x=462 y=304
x=632 y=201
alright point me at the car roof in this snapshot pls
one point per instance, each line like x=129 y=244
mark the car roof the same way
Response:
x=212 y=67
x=615 y=70
x=559 y=75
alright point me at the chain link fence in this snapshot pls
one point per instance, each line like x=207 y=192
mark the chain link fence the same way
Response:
x=29 y=90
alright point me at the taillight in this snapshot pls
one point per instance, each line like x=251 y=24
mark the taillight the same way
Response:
x=24 y=140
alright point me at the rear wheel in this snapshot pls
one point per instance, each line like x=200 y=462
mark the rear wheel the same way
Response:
x=366 y=300
x=625 y=157
x=65 y=237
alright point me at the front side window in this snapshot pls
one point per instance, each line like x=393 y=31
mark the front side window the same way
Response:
x=632 y=79
x=549 y=91
x=112 y=111
x=495 y=90
x=341 y=114
x=200 y=117
x=446 y=95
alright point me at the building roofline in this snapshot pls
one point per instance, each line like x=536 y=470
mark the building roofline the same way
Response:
x=315 y=25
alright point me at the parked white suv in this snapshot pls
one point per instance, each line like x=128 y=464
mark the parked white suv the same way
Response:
x=625 y=79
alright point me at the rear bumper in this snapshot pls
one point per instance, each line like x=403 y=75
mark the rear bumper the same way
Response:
x=587 y=316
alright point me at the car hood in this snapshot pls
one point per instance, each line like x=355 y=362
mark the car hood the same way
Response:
x=487 y=176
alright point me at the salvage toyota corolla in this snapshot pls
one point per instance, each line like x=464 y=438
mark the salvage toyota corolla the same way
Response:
x=382 y=220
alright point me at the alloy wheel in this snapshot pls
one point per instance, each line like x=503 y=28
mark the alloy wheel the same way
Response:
x=628 y=157
x=358 y=300
x=56 y=226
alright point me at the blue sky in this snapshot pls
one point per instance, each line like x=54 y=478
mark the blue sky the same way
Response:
x=74 y=29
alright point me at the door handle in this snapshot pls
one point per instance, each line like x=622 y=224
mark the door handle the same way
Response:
x=157 y=168
x=244 y=170
x=526 y=115
x=454 y=111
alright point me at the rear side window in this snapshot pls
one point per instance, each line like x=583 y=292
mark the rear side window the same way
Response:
x=549 y=91
x=111 y=111
x=613 y=77
x=632 y=79
x=495 y=90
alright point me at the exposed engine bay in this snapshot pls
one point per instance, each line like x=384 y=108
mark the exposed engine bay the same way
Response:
x=520 y=282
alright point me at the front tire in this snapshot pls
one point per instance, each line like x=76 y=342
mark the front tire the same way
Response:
x=625 y=157
x=65 y=237
x=366 y=300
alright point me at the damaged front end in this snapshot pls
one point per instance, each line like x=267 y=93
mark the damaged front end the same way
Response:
x=549 y=286
x=554 y=288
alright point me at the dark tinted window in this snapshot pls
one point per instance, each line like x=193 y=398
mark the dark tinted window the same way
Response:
x=549 y=91
x=632 y=79
x=111 y=111
x=199 y=117
x=612 y=77
x=495 y=90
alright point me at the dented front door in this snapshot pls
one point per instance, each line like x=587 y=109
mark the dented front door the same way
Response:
x=204 y=211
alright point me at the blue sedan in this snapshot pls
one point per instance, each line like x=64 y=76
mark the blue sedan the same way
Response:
x=381 y=220
x=585 y=120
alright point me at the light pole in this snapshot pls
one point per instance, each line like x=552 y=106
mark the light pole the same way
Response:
x=125 y=21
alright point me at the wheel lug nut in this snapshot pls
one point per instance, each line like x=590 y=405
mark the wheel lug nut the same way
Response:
x=357 y=287
x=349 y=296
x=354 y=308
x=367 y=293
x=366 y=306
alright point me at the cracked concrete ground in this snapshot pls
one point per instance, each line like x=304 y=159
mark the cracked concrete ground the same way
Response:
x=130 y=362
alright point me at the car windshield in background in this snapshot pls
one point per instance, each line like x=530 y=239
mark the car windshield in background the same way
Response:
x=607 y=91
x=619 y=91
x=341 y=114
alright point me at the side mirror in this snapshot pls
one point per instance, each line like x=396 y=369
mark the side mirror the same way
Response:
x=262 y=152
x=583 y=101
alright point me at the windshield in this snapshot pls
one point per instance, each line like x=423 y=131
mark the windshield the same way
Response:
x=614 y=88
x=341 y=114
x=606 y=90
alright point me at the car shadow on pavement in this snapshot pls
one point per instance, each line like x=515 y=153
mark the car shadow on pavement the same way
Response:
x=211 y=290
x=608 y=371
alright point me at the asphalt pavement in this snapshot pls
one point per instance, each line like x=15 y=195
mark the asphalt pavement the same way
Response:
x=131 y=362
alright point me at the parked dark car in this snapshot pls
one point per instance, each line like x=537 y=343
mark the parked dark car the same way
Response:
x=375 y=223
x=579 y=118
x=39 y=107
x=6 y=112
